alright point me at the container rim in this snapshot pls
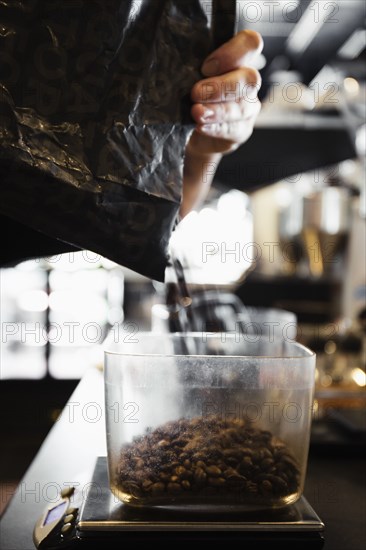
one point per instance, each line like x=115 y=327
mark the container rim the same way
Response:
x=307 y=352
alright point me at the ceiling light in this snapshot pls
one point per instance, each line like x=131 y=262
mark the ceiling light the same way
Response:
x=304 y=32
x=354 y=45
x=351 y=86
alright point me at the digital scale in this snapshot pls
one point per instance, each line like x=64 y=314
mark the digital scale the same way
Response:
x=74 y=522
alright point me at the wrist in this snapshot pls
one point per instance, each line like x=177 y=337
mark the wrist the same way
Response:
x=199 y=171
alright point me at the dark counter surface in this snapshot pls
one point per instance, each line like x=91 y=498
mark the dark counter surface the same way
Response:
x=335 y=483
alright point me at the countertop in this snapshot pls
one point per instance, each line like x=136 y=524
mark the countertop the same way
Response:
x=335 y=482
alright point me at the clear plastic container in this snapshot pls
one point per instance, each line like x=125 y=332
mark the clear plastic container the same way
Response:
x=207 y=421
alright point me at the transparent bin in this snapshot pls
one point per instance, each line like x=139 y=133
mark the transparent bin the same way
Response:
x=207 y=421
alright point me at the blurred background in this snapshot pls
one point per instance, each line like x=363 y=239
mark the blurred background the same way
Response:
x=283 y=228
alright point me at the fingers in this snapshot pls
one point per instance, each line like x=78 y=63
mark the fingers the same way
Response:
x=236 y=53
x=237 y=85
x=210 y=113
x=236 y=131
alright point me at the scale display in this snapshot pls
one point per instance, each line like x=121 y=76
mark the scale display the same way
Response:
x=55 y=513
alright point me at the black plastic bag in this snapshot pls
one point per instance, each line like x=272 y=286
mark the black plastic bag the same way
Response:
x=95 y=116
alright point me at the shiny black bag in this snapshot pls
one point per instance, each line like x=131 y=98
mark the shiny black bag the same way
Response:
x=95 y=116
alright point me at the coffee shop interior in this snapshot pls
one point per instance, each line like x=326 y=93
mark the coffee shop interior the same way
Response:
x=279 y=244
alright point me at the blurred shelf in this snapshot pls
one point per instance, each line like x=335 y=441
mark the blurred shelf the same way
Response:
x=285 y=144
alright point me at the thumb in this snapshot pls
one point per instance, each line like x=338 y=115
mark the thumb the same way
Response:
x=236 y=53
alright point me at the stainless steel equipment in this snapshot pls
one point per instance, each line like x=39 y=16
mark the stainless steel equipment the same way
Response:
x=326 y=222
x=314 y=228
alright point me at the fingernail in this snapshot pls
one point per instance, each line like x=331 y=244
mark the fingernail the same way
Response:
x=210 y=67
x=208 y=115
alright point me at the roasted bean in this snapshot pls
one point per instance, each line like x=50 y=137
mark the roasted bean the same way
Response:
x=236 y=479
x=216 y=481
x=213 y=471
x=147 y=484
x=207 y=457
x=200 y=476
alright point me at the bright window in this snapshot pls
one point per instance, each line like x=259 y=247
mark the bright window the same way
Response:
x=55 y=314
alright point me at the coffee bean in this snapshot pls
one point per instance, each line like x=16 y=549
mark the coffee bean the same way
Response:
x=267 y=452
x=289 y=461
x=236 y=480
x=139 y=464
x=282 y=475
x=164 y=476
x=280 y=485
x=247 y=452
x=232 y=433
x=246 y=465
x=209 y=458
x=234 y=453
x=180 y=442
x=213 y=471
x=258 y=455
x=200 y=476
x=199 y=456
x=216 y=481
x=147 y=485
x=229 y=471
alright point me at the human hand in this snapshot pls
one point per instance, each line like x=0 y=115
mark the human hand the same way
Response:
x=225 y=107
x=225 y=102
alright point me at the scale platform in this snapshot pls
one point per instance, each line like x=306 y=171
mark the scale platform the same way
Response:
x=104 y=520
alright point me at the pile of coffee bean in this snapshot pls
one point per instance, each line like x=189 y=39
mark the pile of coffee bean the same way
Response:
x=208 y=457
